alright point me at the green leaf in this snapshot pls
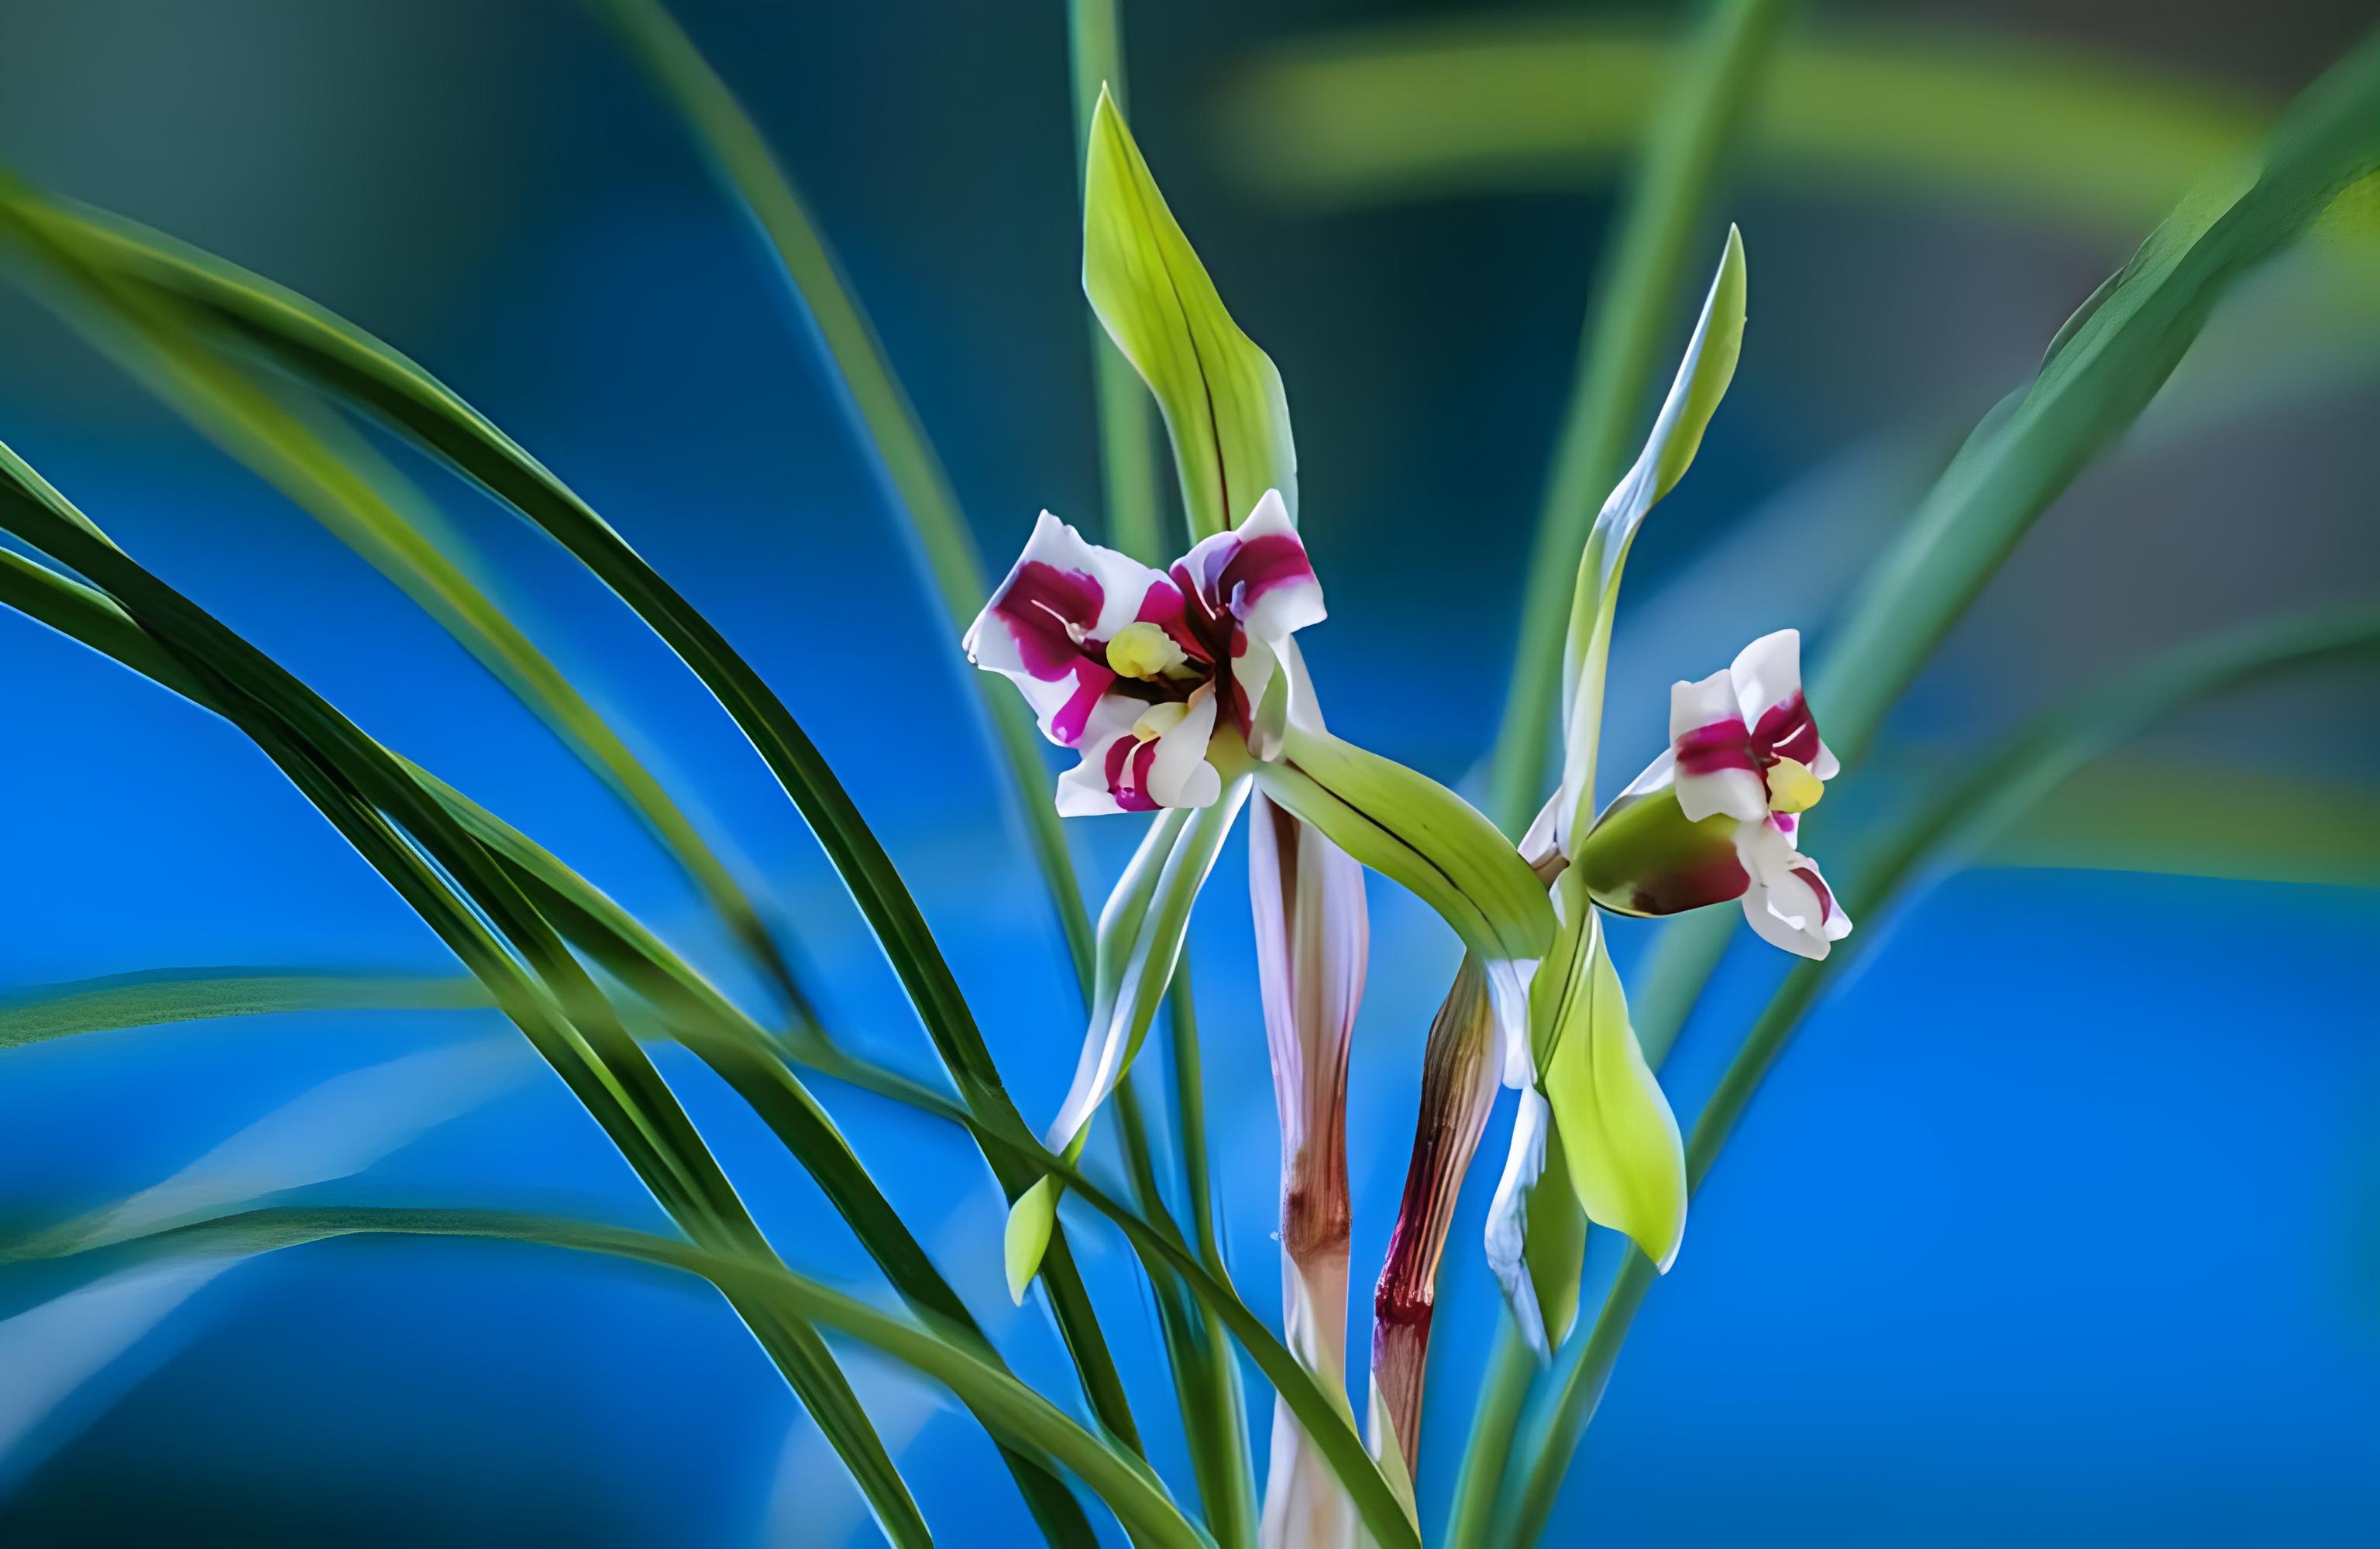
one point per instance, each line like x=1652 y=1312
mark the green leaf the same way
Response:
x=740 y=157
x=336 y=477
x=125 y=1000
x=2109 y=366
x=1016 y=1413
x=344 y=360
x=1221 y=395
x=1626 y=1159
x=1707 y=95
x=416 y=844
x=1702 y=380
x=1418 y=834
x=1031 y=1216
x=1556 y=1246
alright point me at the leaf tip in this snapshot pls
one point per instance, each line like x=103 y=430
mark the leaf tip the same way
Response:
x=1026 y=1238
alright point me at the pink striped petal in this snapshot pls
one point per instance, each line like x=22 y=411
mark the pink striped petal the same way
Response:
x=1715 y=769
x=1047 y=626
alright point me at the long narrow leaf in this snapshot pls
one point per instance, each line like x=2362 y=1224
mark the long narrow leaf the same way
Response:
x=343 y=773
x=370 y=506
x=344 y=360
x=1020 y=1416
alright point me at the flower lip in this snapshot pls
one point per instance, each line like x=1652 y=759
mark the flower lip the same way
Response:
x=1095 y=641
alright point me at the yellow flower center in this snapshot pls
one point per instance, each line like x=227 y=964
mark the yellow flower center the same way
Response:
x=1158 y=720
x=1143 y=651
x=1791 y=786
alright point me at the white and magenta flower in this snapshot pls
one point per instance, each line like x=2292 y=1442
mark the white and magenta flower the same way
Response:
x=1746 y=746
x=1743 y=747
x=1136 y=668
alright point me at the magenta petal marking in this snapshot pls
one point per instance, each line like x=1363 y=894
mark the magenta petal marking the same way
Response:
x=1128 y=765
x=1717 y=878
x=1040 y=601
x=1163 y=606
x=1091 y=680
x=1257 y=566
x=1787 y=730
x=1784 y=822
x=1818 y=886
x=1722 y=745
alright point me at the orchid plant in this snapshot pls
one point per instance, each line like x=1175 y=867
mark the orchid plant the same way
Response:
x=1179 y=695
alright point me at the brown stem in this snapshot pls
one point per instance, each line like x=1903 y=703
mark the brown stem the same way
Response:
x=1458 y=1088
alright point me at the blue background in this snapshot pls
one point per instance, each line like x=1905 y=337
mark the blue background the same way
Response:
x=2056 y=1223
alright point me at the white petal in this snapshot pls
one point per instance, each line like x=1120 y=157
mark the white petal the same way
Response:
x=1539 y=846
x=1711 y=742
x=1826 y=765
x=1181 y=775
x=1768 y=672
x=1784 y=904
x=1082 y=790
x=1767 y=910
x=1096 y=591
x=1287 y=603
x=1507 y=996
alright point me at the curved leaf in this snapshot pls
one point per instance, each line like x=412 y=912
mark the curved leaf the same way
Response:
x=1626 y=1159
x=1019 y=1415
x=1702 y=380
x=1220 y=395
x=1419 y=834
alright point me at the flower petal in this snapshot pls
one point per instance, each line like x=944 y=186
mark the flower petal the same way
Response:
x=1788 y=905
x=1712 y=744
x=1178 y=773
x=1044 y=626
x=1090 y=790
x=1767 y=677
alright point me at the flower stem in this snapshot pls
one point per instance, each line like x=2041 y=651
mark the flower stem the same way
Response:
x=1505 y=1389
x=1698 y=121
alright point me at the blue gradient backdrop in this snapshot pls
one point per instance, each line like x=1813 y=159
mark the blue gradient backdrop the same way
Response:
x=2053 y=1228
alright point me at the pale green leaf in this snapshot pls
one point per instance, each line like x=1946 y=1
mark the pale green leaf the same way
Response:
x=1221 y=395
x=1418 y=834
x=1626 y=1159
x=1702 y=380
x=1026 y=1238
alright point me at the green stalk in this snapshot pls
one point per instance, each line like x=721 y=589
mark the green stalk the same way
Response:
x=1700 y=114
x=1504 y=1394
x=2001 y=789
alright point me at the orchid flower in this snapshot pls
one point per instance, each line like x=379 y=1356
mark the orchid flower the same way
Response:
x=1717 y=816
x=1136 y=668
